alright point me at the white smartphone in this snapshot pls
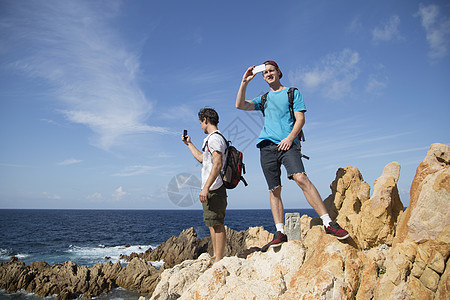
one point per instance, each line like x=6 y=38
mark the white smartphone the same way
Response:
x=259 y=68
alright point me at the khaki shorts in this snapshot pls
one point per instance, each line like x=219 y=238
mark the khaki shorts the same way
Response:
x=214 y=208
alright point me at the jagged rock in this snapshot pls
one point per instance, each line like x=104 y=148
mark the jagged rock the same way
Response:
x=391 y=254
x=321 y=268
x=176 y=249
x=239 y=241
x=176 y=280
x=416 y=264
x=261 y=276
x=348 y=193
x=371 y=221
x=69 y=281
x=186 y=246
x=380 y=213
x=139 y=276
x=66 y=279
x=428 y=213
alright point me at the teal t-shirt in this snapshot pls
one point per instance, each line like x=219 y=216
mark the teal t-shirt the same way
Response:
x=277 y=121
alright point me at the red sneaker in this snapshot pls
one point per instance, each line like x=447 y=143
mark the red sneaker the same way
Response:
x=278 y=239
x=336 y=230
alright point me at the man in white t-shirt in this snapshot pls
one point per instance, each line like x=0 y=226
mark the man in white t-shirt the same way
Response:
x=213 y=195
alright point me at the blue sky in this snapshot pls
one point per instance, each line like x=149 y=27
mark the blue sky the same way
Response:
x=94 y=95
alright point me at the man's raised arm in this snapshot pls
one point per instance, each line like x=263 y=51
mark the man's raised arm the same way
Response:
x=241 y=103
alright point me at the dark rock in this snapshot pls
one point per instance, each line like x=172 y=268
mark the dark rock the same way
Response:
x=68 y=280
x=247 y=252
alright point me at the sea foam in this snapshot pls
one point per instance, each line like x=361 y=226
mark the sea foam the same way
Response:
x=102 y=253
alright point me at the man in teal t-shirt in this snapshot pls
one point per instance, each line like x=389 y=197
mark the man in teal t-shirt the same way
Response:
x=279 y=145
x=277 y=121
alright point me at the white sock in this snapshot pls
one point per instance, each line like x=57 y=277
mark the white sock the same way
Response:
x=280 y=227
x=326 y=220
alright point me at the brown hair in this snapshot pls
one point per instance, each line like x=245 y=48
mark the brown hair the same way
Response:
x=210 y=115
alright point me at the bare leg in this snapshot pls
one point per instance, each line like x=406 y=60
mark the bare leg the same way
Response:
x=219 y=238
x=213 y=239
x=276 y=205
x=311 y=193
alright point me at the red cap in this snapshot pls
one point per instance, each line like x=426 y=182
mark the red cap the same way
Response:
x=271 y=62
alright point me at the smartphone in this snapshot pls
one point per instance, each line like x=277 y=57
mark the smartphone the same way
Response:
x=259 y=68
x=184 y=134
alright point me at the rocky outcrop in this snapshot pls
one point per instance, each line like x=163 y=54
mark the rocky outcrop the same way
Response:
x=187 y=246
x=238 y=241
x=371 y=221
x=69 y=281
x=320 y=267
x=417 y=265
x=379 y=215
x=391 y=254
x=176 y=249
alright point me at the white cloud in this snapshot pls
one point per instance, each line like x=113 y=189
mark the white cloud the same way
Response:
x=135 y=170
x=93 y=75
x=182 y=112
x=355 y=25
x=437 y=30
x=378 y=153
x=69 y=161
x=333 y=76
x=389 y=31
x=95 y=196
x=51 y=196
x=375 y=85
x=118 y=194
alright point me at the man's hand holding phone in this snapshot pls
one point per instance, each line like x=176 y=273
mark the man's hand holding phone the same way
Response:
x=259 y=68
x=185 y=137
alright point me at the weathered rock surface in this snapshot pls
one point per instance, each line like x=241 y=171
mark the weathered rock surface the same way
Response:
x=176 y=249
x=416 y=267
x=320 y=267
x=371 y=221
x=69 y=280
x=391 y=254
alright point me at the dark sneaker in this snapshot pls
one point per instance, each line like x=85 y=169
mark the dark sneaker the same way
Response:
x=336 y=230
x=278 y=239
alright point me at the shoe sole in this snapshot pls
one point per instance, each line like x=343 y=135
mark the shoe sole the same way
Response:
x=343 y=237
x=276 y=245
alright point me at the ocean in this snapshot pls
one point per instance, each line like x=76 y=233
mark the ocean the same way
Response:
x=87 y=237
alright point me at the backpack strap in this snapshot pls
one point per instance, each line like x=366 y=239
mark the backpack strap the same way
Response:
x=263 y=102
x=291 y=101
x=291 y=97
x=206 y=144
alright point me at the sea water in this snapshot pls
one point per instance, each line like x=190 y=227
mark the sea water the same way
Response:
x=87 y=237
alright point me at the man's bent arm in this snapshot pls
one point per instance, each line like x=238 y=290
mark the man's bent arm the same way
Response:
x=195 y=152
x=215 y=171
x=298 y=125
x=241 y=103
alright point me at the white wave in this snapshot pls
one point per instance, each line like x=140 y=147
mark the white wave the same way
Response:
x=21 y=256
x=157 y=264
x=102 y=253
x=5 y=254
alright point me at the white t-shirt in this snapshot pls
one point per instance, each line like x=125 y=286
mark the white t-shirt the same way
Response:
x=215 y=143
